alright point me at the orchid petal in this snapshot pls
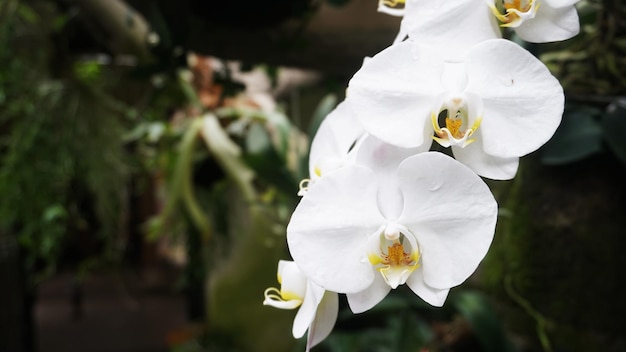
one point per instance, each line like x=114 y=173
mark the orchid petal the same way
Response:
x=293 y=282
x=333 y=140
x=383 y=159
x=483 y=164
x=451 y=212
x=451 y=27
x=392 y=93
x=550 y=24
x=365 y=300
x=328 y=232
x=434 y=297
x=523 y=102
x=308 y=309
x=454 y=77
x=325 y=319
x=556 y=4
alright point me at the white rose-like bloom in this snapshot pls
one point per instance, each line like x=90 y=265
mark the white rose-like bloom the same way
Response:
x=539 y=21
x=501 y=102
x=345 y=238
x=318 y=308
x=332 y=145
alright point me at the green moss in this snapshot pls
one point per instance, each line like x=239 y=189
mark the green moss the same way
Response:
x=555 y=264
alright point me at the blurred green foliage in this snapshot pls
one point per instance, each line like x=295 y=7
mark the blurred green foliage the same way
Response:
x=63 y=166
x=592 y=69
x=76 y=130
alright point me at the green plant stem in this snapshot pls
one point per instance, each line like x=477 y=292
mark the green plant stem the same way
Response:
x=227 y=154
x=542 y=322
x=185 y=167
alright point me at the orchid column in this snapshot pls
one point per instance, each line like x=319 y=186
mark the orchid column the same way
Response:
x=380 y=210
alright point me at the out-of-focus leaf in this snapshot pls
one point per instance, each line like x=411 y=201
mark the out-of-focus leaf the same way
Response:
x=182 y=187
x=578 y=136
x=262 y=156
x=614 y=125
x=257 y=139
x=87 y=71
x=54 y=212
x=28 y=14
x=236 y=285
x=475 y=308
x=411 y=333
x=337 y=3
x=280 y=125
x=324 y=107
x=228 y=155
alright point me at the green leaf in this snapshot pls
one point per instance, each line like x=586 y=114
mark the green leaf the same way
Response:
x=263 y=158
x=476 y=309
x=228 y=155
x=614 y=125
x=282 y=129
x=54 y=212
x=257 y=139
x=28 y=14
x=337 y=3
x=578 y=136
x=411 y=333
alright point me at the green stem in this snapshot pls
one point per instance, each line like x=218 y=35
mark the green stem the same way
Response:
x=181 y=187
x=185 y=167
x=542 y=322
x=227 y=154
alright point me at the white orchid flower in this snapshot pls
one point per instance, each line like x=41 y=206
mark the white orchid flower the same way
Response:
x=451 y=27
x=539 y=21
x=500 y=102
x=332 y=145
x=349 y=237
x=318 y=308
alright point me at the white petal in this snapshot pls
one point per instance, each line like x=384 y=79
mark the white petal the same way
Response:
x=483 y=164
x=325 y=319
x=523 y=102
x=451 y=212
x=328 y=230
x=365 y=300
x=307 y=312
x=383 y=159
x=550 y=25
x=454 y=77
x=334 y=138
x=392 y=94
x=293 y=282
x=430 y=295
x=555 y=4
x=452 y=27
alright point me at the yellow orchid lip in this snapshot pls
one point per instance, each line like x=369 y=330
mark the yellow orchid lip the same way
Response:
x=393 y=4
x=281 y=300
x=453 y=133
x=392 y=7
x=395 y=264
x=396 y=255
x=516 y=12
